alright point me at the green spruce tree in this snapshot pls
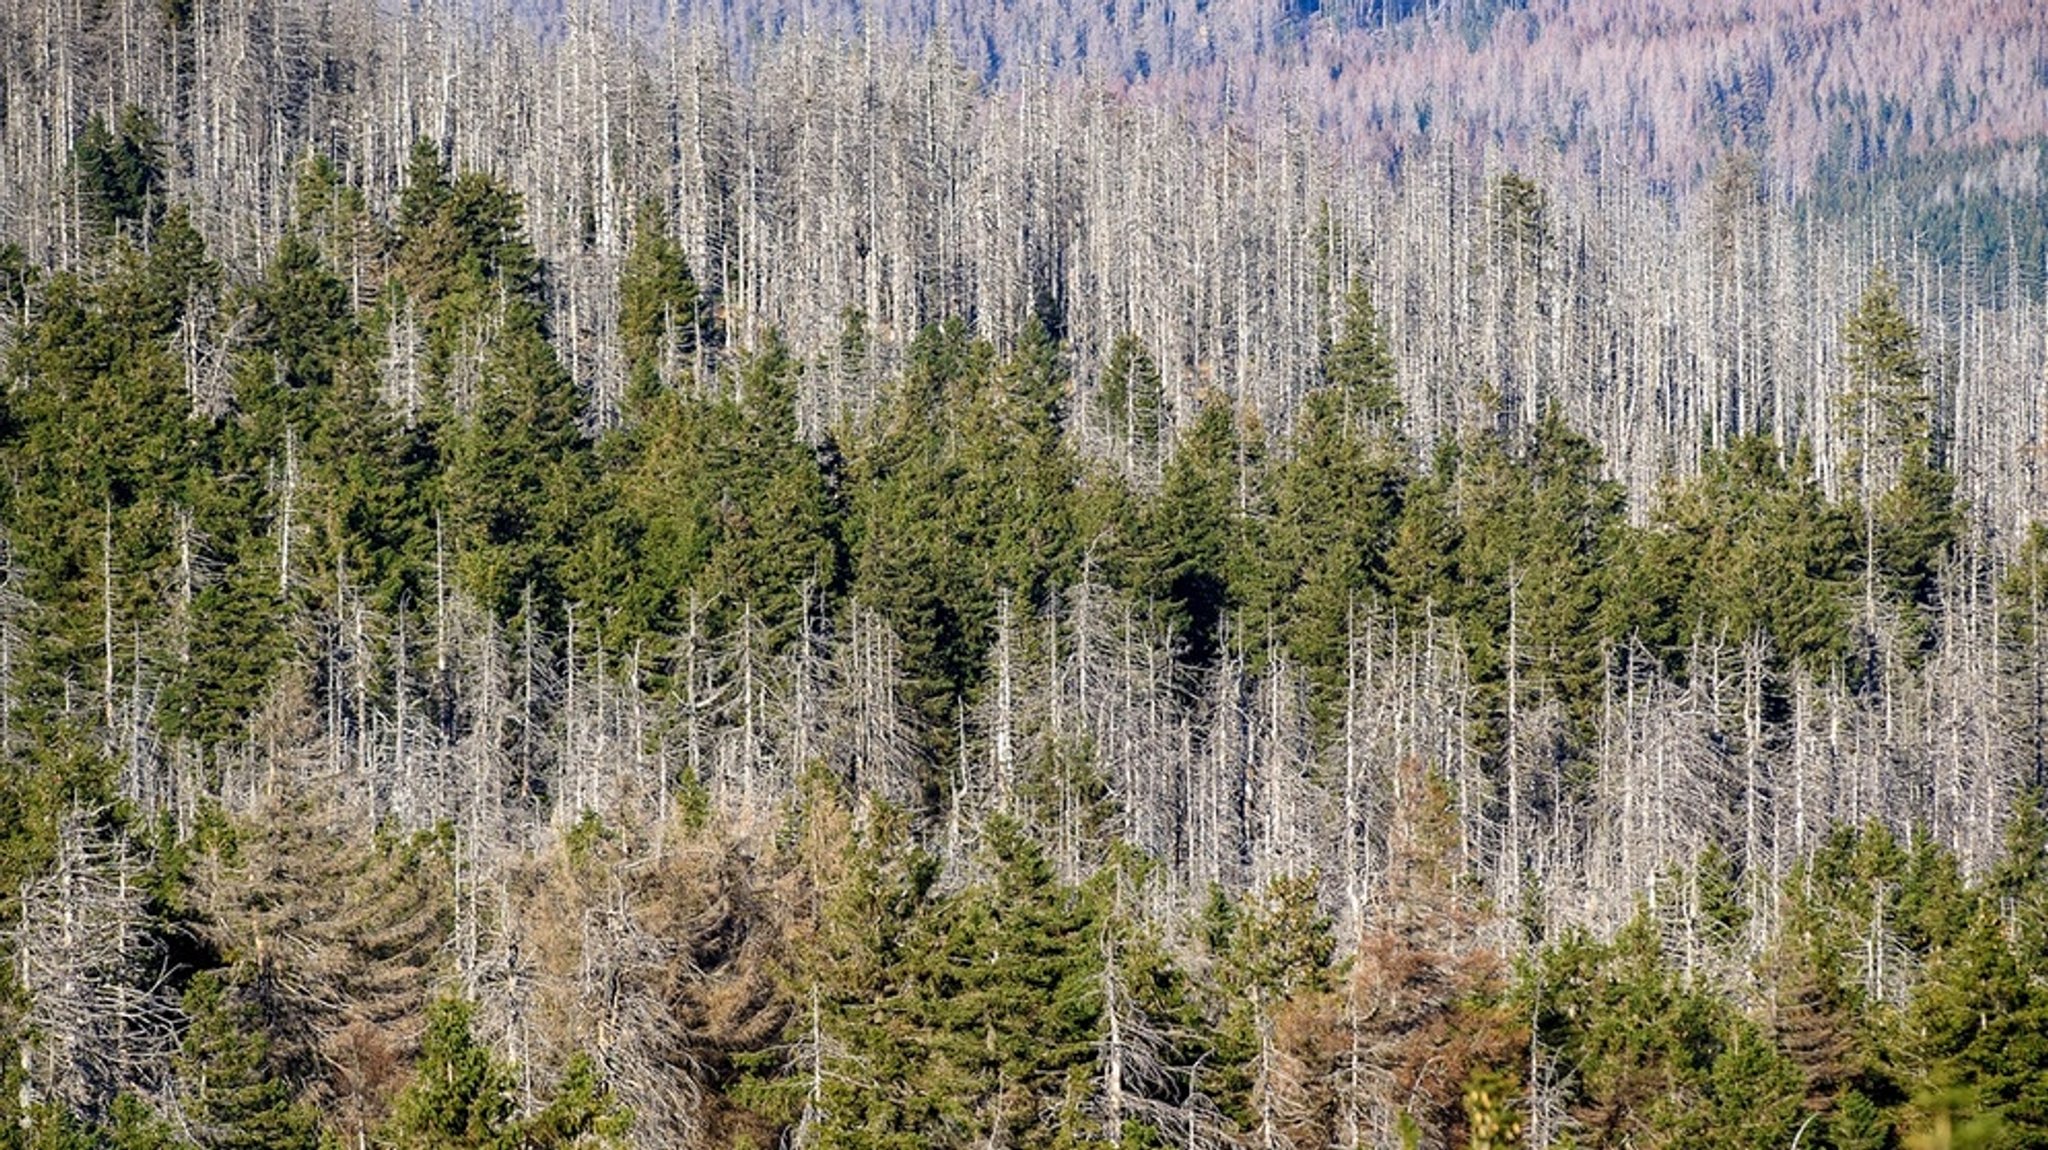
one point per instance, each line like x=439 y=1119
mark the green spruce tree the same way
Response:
x=230 y=1092
x=461 y=1095
x=659 y=318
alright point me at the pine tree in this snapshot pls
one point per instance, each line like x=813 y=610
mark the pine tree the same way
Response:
x=1658 y=1062
x=2019 y=881
x=1359 y=366
x=1748 y=547
x=121 y=173
x=772 y=527
x=1978 y=1023
x=1814 y=1026
x=1489 y=1113
x=1013 y=998
x=110 y=463
x=518 y=478
x=131 y=1125
x=1907 y=495
x=653 y=527
x=855 y=1065
x=1131 y=404
x=1199 y=552
x=1017 y=475
x=231 y=1095
x=1888 y=398
x=582 y=1112
x=460 y=1097
x=334 y=217
x=1274 y=974
x=1422 y=554
x=659 y=321
x=1534 y=547
x=19 y=279
x=911 y=539
x=1337 y=500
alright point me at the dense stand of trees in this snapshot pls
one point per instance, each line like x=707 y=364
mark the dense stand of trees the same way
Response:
x=843 y=629
x=849 y=195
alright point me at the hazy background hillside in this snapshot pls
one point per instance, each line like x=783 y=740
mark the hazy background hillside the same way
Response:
x=1933 y=110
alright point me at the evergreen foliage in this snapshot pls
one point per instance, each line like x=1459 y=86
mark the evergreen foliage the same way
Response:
x=1337 y=501
x=262 y=525
x=120 y=170
x=1132 y=402
x=1359 y=366
x=460 y=1097
x=1749 y=548
x=1659 y=1062
x=1909 y=513
x=1198 y=550
x=659 y=316
x=232 y=1097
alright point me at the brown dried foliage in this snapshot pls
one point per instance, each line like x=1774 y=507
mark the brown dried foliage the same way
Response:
x=1425 y=988
x=342 y=942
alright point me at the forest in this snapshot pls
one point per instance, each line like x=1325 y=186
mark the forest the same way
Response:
x=582 y=580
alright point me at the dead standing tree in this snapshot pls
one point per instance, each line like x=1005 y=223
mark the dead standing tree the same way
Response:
x=100 y=1019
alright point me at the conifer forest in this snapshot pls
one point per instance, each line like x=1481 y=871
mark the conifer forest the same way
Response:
x=1406 y=574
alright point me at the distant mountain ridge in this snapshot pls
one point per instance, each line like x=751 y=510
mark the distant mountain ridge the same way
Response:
x=1819 y=88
